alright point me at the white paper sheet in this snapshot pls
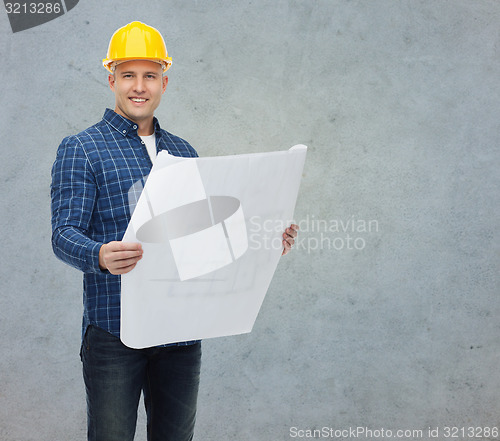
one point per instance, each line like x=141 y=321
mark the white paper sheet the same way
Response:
x=211 y=230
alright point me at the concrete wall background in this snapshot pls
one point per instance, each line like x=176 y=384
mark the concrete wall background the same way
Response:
x=399 y=104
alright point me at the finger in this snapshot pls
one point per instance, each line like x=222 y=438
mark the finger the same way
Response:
x=124 y=270
x=288 y=238
x=131 y=246
x=122 y=263
x=286 y=248
x=124 y=246
x=119 y=265
x=124 y=255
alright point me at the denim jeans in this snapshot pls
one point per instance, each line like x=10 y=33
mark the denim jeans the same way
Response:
x=115 y=375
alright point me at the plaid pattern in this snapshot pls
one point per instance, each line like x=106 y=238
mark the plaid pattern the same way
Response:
x=91 y=177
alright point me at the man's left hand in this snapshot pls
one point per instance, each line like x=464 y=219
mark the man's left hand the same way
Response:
x=289 y=238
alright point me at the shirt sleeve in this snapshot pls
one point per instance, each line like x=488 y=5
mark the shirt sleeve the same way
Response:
x=73 y=198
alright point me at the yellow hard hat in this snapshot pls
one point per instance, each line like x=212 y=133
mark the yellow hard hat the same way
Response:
x=136 y=41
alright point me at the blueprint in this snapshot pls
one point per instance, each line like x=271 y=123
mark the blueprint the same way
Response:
x=211 y=230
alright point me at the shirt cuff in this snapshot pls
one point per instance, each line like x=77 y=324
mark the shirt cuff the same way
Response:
x=92 y=258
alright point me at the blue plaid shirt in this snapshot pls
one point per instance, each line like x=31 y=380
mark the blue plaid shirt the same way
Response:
x=91 y=177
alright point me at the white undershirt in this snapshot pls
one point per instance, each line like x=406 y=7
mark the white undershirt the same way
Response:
x=150 y=141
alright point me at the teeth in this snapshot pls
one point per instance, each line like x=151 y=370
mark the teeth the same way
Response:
x=138 y=100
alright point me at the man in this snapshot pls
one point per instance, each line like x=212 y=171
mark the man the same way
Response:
x=91 y=178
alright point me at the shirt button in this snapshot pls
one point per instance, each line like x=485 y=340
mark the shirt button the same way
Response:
x=142 y=142
x=124 y=131
x=135 y=127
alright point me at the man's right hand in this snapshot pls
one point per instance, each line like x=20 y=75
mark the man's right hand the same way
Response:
x=119 y=257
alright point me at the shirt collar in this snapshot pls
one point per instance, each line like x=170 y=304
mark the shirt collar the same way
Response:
x=124 y=125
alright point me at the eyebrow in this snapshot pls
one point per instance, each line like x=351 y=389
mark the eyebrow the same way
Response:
x=135 y=73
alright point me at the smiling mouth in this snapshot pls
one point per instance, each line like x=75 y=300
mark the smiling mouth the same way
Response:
x=138 y=100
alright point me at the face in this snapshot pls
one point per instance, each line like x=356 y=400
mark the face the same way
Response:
x=138 y=86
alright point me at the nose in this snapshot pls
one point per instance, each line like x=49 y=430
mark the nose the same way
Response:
x=139 y=85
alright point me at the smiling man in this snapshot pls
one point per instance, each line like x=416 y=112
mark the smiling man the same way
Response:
x=91 y=177
x=138 y=86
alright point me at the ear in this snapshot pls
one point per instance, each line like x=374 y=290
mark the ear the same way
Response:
x=165 y=82
x=111 y=81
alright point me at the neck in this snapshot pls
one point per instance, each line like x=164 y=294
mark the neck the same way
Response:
x=145 y=128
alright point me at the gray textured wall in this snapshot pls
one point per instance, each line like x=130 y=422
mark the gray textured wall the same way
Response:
x=399 y=103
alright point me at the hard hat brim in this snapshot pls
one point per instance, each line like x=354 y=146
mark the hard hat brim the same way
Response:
x=110 y=65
